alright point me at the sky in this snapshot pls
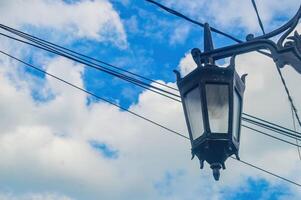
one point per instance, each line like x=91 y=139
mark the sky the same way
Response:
x=57 y=143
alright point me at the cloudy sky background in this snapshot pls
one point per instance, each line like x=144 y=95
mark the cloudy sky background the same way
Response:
x=57 y=143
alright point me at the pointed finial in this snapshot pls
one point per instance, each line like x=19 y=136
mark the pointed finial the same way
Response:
x=215 y=169
x=208 y=42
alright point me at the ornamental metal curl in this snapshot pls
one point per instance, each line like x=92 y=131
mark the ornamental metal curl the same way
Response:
x=287 y=50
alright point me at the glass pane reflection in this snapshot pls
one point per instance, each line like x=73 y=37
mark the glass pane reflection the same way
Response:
x=218 y=107
x=194 y=111
x=236 y=115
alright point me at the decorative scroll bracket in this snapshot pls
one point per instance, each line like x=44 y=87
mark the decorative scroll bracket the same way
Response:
x=287 y=51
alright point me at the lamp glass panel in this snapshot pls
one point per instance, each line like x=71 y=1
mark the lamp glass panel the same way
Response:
x=236 y=115
x=193 y=106
x=217 y=96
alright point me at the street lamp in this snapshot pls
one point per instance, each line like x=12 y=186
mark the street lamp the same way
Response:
x=212 y=102
x=212 y=96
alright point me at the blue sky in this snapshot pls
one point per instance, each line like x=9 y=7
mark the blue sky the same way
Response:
x=59 y=143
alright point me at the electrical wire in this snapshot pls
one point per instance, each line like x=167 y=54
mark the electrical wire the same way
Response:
x=237 y=40
x=294 y=126
x=176 y=13
x=94 y=95
x=193 y=21
x=266 y=134
x=294 y=110
x=100 y=68
x=137 y=115
x=270 y=123
x=268 y=172
x=56 y=49
x=89 y=64
x=277 y=130
x=34 y=38
x=258 y=16
x=93 y=65
x=289 y=96
x=213 y=29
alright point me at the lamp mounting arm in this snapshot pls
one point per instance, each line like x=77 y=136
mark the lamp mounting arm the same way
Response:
x=286 y=51
x=283 y=53
x=290 y=54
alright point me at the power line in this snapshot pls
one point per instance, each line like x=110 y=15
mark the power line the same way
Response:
x=289 y=96
x=34 y=38
x=56 y=49
x=94 y=95
x=270 y=123
x=258 y=16
x=176 y=13
x=100 y=68
x=56 y=52
x=294 y=126
x=237 y=40
x=53 y=49
x=89 y=64
x=268 y=172
x=137 y=115
x=277 y=130
x=193 y=21
x=261 y=132
x=294 y=110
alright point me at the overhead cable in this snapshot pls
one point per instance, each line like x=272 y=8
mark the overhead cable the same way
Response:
x=53 y=48
x=100 y=68
x=34 y=38
x=258 y=16
x=269 y=135
x=93 y=95
x=176 y=13
x=193 y=21
x=137 y=115
x=289 y=96
x=274 y=129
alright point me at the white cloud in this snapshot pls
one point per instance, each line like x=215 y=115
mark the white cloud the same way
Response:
x=45 y=145
x=179 y=35
x=187 y=64
x=95 y=20
x=50 y=141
